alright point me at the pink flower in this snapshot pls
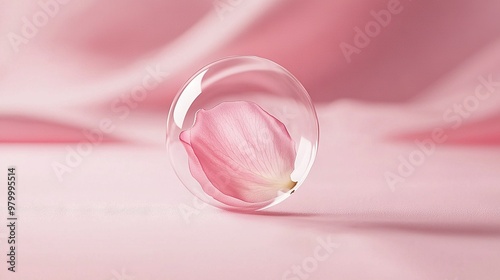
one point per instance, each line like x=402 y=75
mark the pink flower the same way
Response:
x=240 y=154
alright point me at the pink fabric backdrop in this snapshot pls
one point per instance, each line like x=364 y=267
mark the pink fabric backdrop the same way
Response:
x=120 y=213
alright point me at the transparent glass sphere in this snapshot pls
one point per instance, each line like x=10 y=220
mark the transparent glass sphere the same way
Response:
x=247 y=80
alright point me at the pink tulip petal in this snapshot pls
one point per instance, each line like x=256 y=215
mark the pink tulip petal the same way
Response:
x=238 y=151
x=199 y=174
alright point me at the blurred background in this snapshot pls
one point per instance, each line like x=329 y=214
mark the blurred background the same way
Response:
x=407 y=179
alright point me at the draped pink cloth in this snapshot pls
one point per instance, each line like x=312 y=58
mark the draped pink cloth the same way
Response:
x=406 y=184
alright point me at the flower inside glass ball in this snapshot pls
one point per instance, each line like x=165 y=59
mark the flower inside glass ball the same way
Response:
x=242 y=134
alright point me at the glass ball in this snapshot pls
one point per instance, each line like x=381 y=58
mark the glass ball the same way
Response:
x=269 y=94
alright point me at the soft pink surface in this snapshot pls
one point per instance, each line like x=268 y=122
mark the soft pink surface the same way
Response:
x=121 y=209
